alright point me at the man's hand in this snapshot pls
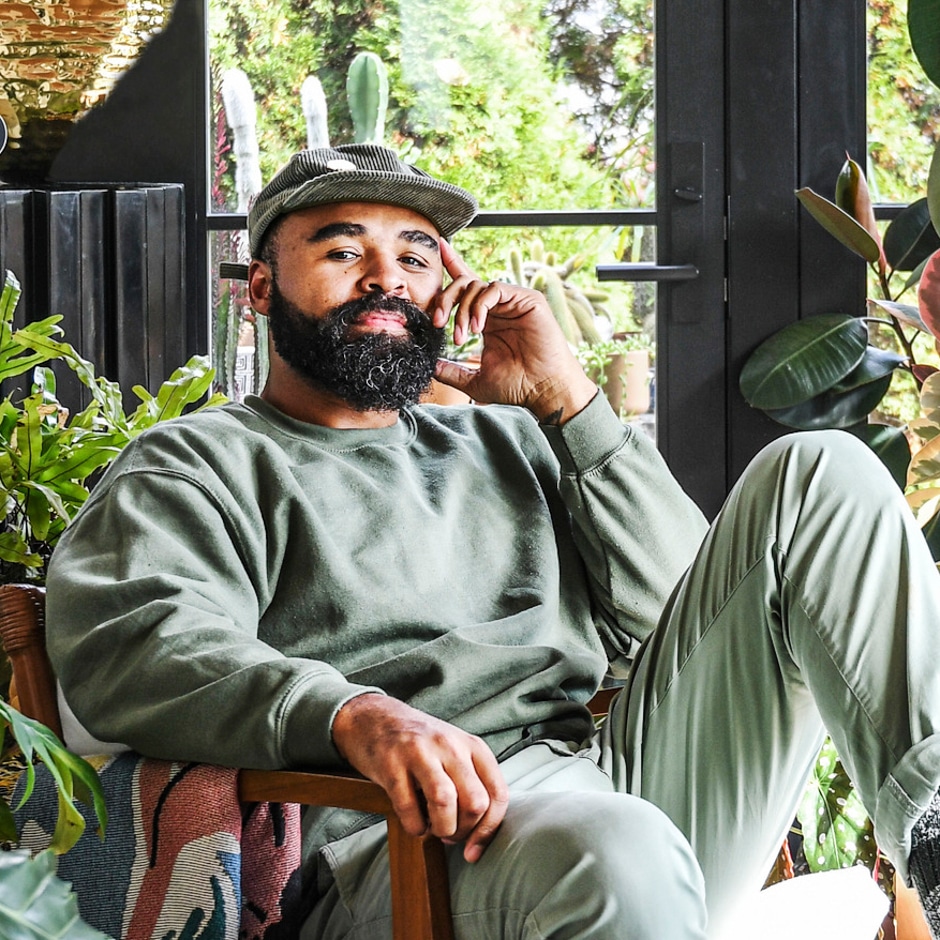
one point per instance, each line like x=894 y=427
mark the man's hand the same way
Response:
x=526 y=359
x=439 y=778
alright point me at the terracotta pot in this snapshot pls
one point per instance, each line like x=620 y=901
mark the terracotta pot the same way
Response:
x=58 y=58
x=628 y=382
x=908 y=914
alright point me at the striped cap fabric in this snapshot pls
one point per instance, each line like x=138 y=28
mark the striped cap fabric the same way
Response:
x=357 y=173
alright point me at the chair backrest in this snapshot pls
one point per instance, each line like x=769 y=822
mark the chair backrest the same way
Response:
x=23 y=636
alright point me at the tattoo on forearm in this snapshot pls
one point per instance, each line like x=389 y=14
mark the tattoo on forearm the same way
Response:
x=554 y=417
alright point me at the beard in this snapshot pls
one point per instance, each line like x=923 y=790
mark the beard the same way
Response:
x=372 y=372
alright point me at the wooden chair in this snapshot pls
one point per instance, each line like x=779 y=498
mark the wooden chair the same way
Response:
x=419 y=885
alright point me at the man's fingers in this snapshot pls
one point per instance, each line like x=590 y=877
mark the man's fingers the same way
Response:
x=454 y=265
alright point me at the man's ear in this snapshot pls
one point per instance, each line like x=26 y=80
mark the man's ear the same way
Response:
x=260 y=281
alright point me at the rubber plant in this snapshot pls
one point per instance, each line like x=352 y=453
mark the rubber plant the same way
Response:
x=48 y=459
x=832 y=370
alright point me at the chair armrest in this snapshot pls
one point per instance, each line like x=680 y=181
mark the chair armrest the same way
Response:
x=420 y=886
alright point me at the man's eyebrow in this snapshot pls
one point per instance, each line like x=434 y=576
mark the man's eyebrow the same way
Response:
x=337 y=230
x=421 y=238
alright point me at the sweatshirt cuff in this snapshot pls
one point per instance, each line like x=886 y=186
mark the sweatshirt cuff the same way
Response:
x=589 y=438
x=307 y=725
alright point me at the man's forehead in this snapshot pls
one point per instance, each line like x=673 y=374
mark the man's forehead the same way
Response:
x=362 y=219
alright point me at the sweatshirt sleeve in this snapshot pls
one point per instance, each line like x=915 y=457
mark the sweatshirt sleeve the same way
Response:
x=636 y=529
x=154 y=600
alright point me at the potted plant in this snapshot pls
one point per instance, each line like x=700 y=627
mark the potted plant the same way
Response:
x=48 y=460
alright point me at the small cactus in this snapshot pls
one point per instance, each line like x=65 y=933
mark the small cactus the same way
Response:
x=367 y=94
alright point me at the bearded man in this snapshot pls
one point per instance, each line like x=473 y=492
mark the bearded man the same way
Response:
x=332 y=574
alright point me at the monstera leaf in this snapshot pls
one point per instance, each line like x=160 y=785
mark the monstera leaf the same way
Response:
x=35 y=904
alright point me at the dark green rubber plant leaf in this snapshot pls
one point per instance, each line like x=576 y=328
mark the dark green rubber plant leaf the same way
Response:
x=837 y=831
x=932 y=534
x=35 y=904
x=840 y=224
x=803 y=360
x=833 y=409
x=891 y=446
x=875 y=364
x=911 y=237
x=923 y=24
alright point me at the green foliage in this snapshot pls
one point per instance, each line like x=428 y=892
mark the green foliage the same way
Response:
x=836 y=829
x=74 y=777
x=48 y=458
x=35 y=904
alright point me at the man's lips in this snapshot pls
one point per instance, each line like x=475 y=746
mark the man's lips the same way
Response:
x=386 y=321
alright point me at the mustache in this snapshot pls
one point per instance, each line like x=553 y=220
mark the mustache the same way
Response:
x=348 y=313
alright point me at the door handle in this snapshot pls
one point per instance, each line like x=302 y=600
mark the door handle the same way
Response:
x=646 y=272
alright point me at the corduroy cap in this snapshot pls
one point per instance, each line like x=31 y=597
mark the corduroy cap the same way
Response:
x=357 y=173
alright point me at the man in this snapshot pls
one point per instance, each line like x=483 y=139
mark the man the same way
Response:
x=332 y=574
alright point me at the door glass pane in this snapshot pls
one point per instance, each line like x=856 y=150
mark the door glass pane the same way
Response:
x=530 y=104
x=903 y=108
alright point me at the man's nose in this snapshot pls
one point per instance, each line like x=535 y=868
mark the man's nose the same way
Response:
x=383 y=275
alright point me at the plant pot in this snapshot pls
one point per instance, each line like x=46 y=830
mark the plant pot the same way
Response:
x=60 y=58
x=908 y=914
x=628 y=382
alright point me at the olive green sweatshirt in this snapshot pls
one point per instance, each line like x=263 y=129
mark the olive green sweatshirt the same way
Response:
x=238 y=575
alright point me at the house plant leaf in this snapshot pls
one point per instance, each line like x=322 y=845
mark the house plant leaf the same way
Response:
x=906 y=313
x=928 y=294
x=35 y=904
x=833 y=409
x=837 y=832
x=891 y=446
x=933 y=189
x=923 y=23
x=911 y=237
x=840 y=225
x=853 y=197
x=925 y=464
x=803 y=360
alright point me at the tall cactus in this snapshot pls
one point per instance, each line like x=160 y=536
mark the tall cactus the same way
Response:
x=313 y=105
x=367 y=94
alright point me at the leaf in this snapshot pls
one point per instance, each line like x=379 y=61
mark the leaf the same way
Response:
x=36 y=740
x=803 y=360
x=925 y=464
x=875 y=364
x=910 y=237
x=833 y=409
x=930 y=398
x=840 y=224
x=837 y=832
x=852 y=197
x=906 y=313
x=891 y=446
x=933 y=188
x=37 y=905
x=923 y=24
x=928 y=294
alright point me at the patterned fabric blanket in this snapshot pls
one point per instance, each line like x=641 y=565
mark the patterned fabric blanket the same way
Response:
x=182 y=858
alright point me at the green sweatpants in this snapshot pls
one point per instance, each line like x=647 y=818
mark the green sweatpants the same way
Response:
x=813 y=604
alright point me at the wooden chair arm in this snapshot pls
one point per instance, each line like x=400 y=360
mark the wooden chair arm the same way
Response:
x=420 y=887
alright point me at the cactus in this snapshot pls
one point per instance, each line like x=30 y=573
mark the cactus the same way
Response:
x=313 y=105
x=367 y=94
x=574 y=309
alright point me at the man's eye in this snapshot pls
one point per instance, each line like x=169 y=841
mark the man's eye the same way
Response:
x=412 y=261
x=342 y=255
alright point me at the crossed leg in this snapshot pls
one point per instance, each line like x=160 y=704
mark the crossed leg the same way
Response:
x=813 y=604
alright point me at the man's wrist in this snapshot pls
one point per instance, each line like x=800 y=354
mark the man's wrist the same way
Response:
x=558 y=401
